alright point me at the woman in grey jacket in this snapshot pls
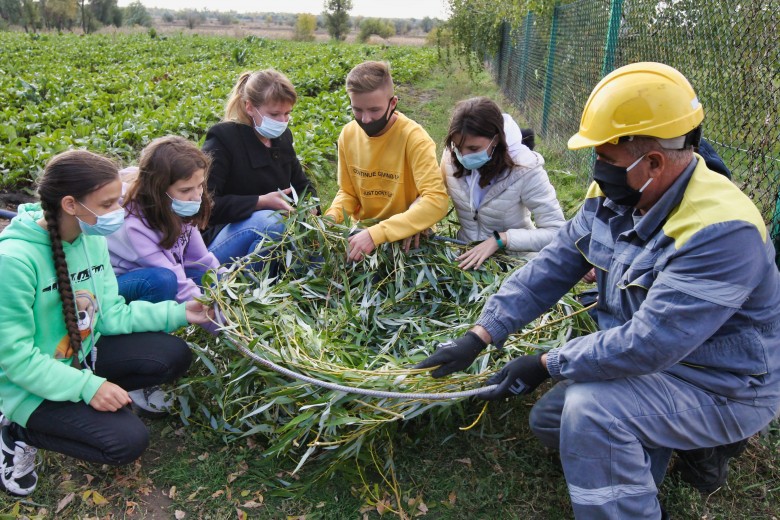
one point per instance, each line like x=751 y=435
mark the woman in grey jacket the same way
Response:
x=496 y=184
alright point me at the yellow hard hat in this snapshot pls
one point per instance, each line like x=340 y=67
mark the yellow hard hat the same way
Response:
x=647 y=98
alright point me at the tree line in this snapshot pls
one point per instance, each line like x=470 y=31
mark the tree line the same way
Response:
x=91 y=15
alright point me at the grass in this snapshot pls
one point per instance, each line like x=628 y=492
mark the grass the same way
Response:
x=495 y=470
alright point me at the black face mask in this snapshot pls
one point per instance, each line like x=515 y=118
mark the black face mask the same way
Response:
x=613 y=181
x=372 y=128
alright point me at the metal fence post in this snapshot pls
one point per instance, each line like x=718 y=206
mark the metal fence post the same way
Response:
x=775 y=230
x=524 y=58
x=549 y=73
x=615 y=15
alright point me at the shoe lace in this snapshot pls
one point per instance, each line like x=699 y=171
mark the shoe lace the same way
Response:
x=24 y=463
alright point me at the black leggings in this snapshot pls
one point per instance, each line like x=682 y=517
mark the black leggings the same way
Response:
x=131 y=361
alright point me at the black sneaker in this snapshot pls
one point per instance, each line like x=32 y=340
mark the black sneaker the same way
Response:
x=707 y=469
x=17 y=464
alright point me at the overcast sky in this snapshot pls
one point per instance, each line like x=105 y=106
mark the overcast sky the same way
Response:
x=372 y=8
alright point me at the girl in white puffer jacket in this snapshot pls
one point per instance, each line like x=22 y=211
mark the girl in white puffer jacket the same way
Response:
x=496 y=184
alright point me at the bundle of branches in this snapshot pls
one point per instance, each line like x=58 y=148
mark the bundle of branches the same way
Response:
x=361 y=324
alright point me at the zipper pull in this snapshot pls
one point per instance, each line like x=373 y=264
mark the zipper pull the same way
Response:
x=476 y=214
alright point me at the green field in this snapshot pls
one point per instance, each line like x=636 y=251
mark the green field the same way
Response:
x=113 y=94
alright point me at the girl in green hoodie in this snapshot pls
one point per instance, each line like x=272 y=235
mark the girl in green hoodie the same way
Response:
x=71 y=347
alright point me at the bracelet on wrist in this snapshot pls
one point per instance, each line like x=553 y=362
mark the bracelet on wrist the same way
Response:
x=497 y=236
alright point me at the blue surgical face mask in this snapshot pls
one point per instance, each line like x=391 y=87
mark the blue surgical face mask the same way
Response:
x=184 y=208
x=476 y=160
x=106 y=223
x=270 y=128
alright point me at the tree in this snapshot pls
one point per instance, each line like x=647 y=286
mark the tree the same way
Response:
x=104 y=11
x=304 y=27
x=31 y=19
x=60 y=14
x=337 y=15
x=192 y=18
x=136 y=14
x=401 y=25
x=375 y=26
x=11 y=11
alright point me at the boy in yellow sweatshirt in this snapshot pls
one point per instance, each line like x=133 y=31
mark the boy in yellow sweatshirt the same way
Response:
x=387 y=168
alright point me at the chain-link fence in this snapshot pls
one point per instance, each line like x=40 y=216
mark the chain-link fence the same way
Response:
x=728 y=49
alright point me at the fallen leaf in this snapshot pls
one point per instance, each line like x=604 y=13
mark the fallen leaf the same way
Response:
x=62 y=504
x=130 y=507
x=252 y=504
x=466 y=461
x=179 y=514
x=203 y=456
x=422 y=507
x=89 y=478
x=218 y=493
x=98 y=499
x=172 y=492
x=452 y=497
x=241 y=514
x=192 y=495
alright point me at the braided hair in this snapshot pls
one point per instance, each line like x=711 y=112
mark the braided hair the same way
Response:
x=76 y=173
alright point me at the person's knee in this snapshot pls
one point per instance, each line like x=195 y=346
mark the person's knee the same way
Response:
x=168 y=285
x=130 y=443
x=586 y=410
x=179 y=357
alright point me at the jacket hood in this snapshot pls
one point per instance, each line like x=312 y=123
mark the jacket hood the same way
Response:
x=25 y=225
x=520 y=153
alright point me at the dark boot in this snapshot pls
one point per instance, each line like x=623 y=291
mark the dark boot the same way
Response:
x=707 y=469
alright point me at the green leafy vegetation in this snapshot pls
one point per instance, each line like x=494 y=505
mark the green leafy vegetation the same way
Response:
x=113 y=94
x=362 y=325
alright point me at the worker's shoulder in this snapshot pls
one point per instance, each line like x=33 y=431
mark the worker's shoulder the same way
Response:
x=711 y=199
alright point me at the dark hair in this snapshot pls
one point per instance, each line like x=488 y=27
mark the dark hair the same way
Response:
x=481 y=117
x=163 y=162
x=76 y=173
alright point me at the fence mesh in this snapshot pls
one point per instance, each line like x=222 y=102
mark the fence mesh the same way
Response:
x=728 y=49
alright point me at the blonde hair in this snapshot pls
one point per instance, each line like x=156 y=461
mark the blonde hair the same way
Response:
x=258 y=88
x=369 y=76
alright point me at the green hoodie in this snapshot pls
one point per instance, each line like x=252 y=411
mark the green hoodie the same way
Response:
x=35 y=354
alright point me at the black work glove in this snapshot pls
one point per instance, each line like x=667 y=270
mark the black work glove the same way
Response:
x=520 y=376
x=454 y=355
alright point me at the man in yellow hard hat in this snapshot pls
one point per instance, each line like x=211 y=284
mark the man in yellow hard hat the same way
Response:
x=688 y=352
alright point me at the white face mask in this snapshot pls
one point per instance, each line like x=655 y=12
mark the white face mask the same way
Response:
x=270 y=128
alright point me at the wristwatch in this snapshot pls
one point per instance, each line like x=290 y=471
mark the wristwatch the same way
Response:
x=501 y=244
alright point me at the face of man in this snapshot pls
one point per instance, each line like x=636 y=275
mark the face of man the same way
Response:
x=374 y=106
x=645 y=171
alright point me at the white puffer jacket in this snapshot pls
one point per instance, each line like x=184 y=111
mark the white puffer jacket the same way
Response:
x=509 y=203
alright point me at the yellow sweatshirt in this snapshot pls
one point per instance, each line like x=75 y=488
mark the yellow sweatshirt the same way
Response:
x=394 y=178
